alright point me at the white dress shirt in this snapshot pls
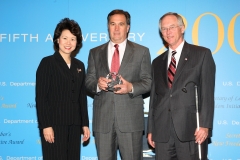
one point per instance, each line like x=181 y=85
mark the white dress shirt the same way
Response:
x=177 y=55
x=111 y=49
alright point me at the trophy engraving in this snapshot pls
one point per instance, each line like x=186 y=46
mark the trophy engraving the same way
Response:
x=115 y=79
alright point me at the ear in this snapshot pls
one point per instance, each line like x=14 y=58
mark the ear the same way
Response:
x=128 y=27
x=182 y=29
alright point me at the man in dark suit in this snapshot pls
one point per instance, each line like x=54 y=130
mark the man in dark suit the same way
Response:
x=118 y=120
x=172 y=124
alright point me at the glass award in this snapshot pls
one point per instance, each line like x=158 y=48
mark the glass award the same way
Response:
x=115 y=79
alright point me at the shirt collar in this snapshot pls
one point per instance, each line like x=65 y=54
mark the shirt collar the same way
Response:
x=121 y=45
x=178 y=49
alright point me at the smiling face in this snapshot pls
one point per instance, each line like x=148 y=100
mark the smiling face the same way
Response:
x=171 y=30
x=67 y=42
x=118 y=28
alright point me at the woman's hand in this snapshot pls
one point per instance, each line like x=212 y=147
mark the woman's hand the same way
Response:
x=86 y=133
x=48 y=134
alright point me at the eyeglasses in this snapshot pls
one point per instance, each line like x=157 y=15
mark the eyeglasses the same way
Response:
x=171 y=28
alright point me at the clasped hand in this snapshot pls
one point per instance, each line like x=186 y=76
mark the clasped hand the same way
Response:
x=123 y=88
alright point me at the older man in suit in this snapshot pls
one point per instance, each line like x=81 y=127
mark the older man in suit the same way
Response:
x=118 y=120
x=172 y=124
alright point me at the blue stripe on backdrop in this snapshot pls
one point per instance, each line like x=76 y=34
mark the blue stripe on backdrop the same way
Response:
x=26 y=32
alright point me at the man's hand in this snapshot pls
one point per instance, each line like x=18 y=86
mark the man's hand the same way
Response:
x=150 y=141
x=201 y=135
x=102 y=83
x=124 y=88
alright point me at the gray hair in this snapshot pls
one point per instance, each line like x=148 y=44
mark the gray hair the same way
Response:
x=179 y=18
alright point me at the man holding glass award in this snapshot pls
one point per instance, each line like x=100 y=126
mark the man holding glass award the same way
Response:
x=118 y=74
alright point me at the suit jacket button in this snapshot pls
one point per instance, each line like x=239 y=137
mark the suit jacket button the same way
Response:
x=169 y=110
x=73 y=91
x=73 y=80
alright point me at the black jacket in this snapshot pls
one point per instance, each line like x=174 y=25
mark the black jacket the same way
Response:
x=60 y=92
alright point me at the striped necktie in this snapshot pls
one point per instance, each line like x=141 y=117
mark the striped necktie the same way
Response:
x=171 y=69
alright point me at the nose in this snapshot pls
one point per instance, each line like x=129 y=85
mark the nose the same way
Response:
x=116 y=27
x=68 y=41
x=168 y=30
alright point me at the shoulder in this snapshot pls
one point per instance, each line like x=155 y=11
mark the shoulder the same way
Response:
x=136 y=45
x=98 y=48
x=45 y=64
x=197 y=48
x=200 y=53
x=77 y=61
x=161 y=57
x=46 y=60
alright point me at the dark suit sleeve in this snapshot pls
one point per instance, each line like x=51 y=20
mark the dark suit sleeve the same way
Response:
x=143 y=85
x=43 y=78
x=91 y=77
x=152 y=97
x=207 y=83
x=83 y=102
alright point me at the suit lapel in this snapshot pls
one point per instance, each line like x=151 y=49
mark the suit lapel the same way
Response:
x=63 y=67
x=127 y=56
x=182 y=61
x=74 y=69
x=103 y=57
x=61 y=61
x=165 y=67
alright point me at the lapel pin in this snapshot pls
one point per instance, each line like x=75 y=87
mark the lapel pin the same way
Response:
x=185 y=59
x=79 y=70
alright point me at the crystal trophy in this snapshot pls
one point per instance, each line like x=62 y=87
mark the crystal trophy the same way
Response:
x=115 y=79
